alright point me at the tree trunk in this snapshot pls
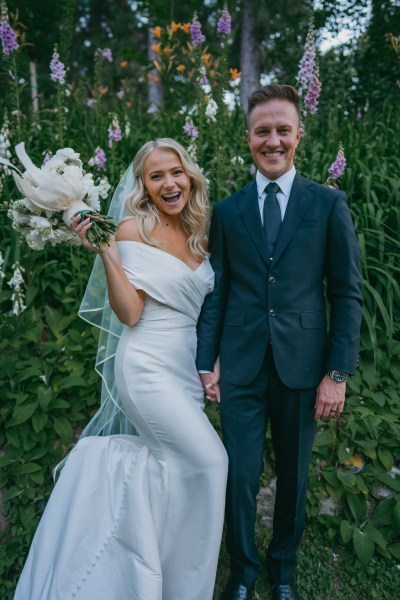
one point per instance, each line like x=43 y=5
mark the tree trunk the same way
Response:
x=249 y=53
x=155 y=86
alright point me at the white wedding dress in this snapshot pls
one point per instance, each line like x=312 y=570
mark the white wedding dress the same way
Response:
x=140 y=517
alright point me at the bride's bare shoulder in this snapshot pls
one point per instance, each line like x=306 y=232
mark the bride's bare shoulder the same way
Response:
x=127 y=230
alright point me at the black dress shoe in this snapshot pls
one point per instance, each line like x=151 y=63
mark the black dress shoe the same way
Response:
x=236 y=591
x=284 y=592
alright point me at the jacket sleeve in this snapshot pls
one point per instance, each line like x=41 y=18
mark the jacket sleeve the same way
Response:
x=343 y=289
x=211 y=318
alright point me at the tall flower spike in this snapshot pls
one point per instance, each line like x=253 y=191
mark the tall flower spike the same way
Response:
x=7 y=34
x=224 y=25
x=57 y=68
x=17 y=296
x=337 y=168
x=196 y=34
x=313 y=92
x=114 y=131
x=307 y=62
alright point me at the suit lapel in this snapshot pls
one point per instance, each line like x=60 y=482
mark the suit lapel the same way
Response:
x=300 y=198
x=250 y=212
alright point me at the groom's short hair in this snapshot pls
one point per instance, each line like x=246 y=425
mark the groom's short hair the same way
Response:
x=274 y=91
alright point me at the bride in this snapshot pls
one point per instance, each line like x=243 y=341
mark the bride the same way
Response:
x=137 y=511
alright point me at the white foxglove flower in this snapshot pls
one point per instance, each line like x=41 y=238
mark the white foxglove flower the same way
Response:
x=211 y=110
x=17 y=296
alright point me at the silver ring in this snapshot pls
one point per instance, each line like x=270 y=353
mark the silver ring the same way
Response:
x=333 y=410
x=208 y=385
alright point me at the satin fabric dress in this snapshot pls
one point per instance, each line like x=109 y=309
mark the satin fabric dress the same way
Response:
x=140 y=517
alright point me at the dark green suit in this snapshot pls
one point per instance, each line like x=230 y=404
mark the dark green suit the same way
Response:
x=266 y=319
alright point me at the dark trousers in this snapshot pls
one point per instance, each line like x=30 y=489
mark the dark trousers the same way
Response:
x=245 y=411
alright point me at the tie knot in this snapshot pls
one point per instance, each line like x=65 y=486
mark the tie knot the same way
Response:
x=272 y=188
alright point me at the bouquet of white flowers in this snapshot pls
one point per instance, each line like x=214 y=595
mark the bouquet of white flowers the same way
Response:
x=53 y=195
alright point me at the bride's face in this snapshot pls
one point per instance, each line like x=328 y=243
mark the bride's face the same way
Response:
x=166 y=181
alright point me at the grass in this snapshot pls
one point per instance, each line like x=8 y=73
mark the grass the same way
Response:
x=319 y=576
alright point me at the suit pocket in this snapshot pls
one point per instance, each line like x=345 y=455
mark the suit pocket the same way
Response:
x=235 y=318
x=313 y=319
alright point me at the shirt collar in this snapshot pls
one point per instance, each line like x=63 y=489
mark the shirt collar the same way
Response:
x=285 y=182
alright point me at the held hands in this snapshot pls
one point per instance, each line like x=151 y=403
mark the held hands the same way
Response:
x=210 y=383
x=330 y=399
x=82 y=227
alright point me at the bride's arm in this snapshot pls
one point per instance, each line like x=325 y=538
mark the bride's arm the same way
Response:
x=126 y=302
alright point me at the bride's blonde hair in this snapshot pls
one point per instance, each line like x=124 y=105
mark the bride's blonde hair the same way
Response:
x=195 y=215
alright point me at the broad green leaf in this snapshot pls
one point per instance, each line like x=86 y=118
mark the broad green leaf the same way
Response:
x=346 y=477
x=64 y=430
x=357 y=506
x=386 y=458
x=363 y=545
x=323 y=438
x=29 y=468
x=44 y=396
x=71 y=381
x=394 y=549
x=344 y=452
x=346 y=531
x=23 y=412
x=375 y=535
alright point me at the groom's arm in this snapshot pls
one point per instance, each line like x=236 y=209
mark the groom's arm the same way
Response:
x=211 y=318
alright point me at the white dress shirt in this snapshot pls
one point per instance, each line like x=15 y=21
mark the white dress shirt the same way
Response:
x=285 y=182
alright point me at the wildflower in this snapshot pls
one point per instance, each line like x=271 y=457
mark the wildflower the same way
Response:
x=57 y=68
x=5 y=144
x=47 y=156
x=127 y=124
x=120 y=94
x=2 y=274
x=190 y=129
x=156 y=48
x=175 y=27
x=103 y=187
x=206 y=58
x=307 y=62
x=123 y=64
x=337 y=168
x=7 y=34
x=196 y=34
x=224 y=25
x=156 y=31
x=104 y=54
x=313 y=92
x=186 y=27
x=237 y=160
x=335 y=557
x=252 y=169
x=17 y=296
x=103 y=89
x=211 y=110
x=114 y=131
x=235 y=73
x=90 y=102
x=98 y=160
x=181 y=68
x=167 y=51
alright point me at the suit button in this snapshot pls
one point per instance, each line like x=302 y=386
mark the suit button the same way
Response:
x=271 y=279
x=271 y=312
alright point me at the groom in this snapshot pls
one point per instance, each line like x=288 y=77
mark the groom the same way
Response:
x=274 y=244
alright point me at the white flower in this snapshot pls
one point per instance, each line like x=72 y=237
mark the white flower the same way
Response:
x=69 y=155
x=237 y=159
x=41 y=224
x=35 y=240
x=2 y=274
x=104 y=187
x=206 y=87
x=211 y=110
x=17 y=297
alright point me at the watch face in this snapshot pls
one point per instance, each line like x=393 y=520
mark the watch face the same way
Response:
x=337 y=376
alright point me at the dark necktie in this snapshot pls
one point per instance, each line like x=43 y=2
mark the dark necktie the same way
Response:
x=272 y=216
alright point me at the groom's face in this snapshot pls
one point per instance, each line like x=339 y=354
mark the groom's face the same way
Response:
x=273 y=134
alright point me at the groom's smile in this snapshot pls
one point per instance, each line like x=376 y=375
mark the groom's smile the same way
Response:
x=273 y=134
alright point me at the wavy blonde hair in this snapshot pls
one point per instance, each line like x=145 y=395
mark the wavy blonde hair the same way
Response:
x=195 y=216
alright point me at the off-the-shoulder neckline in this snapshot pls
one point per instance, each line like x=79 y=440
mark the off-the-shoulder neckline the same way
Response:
x=164 y=252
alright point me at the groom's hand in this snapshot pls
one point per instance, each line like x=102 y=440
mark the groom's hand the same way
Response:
x=210 y=383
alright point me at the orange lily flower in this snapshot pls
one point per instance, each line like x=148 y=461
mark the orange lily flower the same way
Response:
x=156 y=31
x=206 y=58
x=167 y=51
x=175 y=26
x=123 y=64
x=235 y=73
x=156 y=47
x=103 y=89
x=181 y=68
x=186 y=27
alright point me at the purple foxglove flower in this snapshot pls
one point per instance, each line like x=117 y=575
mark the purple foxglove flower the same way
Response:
x=337 y=168
x=313 y=92
x=98 y=160
x=7 y=33
x=224 y=25
x=196 y=34
x=57 y=69
x=190 y=129
x=203 y=81
x=104 y=54
x=114 y=132
x=120 y=94
x=307 y=62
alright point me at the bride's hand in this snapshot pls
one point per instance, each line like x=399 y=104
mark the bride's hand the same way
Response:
x=81 y=228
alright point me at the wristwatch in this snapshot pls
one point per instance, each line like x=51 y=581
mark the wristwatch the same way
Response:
x=337 y=376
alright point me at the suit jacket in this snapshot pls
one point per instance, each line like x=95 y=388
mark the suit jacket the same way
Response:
x=282 y=301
